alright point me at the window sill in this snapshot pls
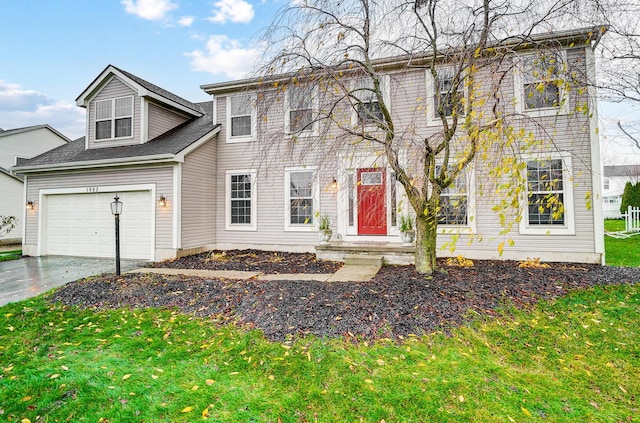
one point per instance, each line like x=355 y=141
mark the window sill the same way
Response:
x=113 y=139
x=239 y=140
x=242 y=228
x=455 y=229
x=301 y=228
x=546 y=230
x=302 y=134
x=545 y=111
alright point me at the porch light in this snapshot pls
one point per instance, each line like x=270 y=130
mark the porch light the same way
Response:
x=30 y=205
x=116 y=210
x=334 y=184
x=162 y=202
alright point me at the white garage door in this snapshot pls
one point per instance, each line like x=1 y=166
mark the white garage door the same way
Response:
x=82 y=225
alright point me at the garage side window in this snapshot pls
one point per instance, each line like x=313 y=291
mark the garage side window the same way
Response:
x=114 y=118
x=241 y=200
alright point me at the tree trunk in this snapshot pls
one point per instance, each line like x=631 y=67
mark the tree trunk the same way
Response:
x=426 y=232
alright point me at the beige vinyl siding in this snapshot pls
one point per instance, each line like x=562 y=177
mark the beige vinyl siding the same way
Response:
x=199 y=197
x=269 y=187
x=161 y=176
x=270 y=155
x=114 y=89
x=571 y=134
x=161 y=120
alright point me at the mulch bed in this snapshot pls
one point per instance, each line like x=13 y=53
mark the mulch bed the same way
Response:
x=269 y=262
x=397 y=302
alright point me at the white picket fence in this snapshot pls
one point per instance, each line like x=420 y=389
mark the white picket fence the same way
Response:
x=631 y=223
x=632 y=219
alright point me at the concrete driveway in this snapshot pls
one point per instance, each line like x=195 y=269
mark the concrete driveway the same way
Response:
x=30 y=276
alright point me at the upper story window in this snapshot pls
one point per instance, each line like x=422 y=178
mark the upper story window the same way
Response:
x=549 y=197
x=442 y=97
x=540 y=90
x=606 y=183
x=300 y=109
x=367 y=106
x=446 y=99
x=241 y=118
x=114 y=118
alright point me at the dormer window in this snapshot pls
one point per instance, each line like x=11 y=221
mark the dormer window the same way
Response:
x=114 y=118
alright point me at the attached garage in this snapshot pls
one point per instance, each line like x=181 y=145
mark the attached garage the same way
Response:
x=81 y=224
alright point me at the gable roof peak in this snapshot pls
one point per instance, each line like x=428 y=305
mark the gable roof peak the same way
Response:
x=142 y=86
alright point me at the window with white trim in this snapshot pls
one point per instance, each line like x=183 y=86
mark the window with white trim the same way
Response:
x=539 y=88
x=454 y=201
x=241 y=200
x=444 y=96
x=606 y=183
x=549 y=197
x=367 y=106
x=301 y=199
x=240 y=118
x=114 y=118
x=299 y=117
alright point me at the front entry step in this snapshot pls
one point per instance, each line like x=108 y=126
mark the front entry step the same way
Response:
x=363 y=260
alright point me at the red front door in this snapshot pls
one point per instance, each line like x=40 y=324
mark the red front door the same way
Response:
x=372 y=210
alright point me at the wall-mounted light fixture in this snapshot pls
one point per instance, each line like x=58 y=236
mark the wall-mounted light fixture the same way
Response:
x=162 y=202
x=30 y=205
x=334 y=184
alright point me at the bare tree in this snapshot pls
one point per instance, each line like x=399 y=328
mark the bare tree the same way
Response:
x=7 y=223
x=347 y=48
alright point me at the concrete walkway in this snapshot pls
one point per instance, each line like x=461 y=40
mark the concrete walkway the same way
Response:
x=347 y=273
x=31 y=276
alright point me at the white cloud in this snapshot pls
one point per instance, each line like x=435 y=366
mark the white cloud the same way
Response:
x=225 y=56
x=149 y=9
x=21 y=107
x=186 y=20
x=238 y=11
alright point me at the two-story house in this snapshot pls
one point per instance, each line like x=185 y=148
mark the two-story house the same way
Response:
x=248 y=169
x=20 y=144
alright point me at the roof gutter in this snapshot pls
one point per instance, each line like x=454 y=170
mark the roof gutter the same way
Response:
x=591 y=34
x=90 y=164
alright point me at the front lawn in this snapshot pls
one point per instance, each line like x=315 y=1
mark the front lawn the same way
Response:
x=574 y=359
x=621 y=251
x=10 y=255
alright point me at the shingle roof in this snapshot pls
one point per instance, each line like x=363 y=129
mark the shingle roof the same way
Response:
x=160 y=91
x=8 y=132
x=171 y=142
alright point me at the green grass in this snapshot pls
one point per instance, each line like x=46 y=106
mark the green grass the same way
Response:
x=575 y=359
x=10 y=255
x=621 y=252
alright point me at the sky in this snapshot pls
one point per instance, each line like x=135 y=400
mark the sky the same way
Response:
x=51 y=50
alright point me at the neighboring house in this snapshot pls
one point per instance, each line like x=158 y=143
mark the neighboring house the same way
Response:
x=17 y=144
x=614 y=180
x=222 y=189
